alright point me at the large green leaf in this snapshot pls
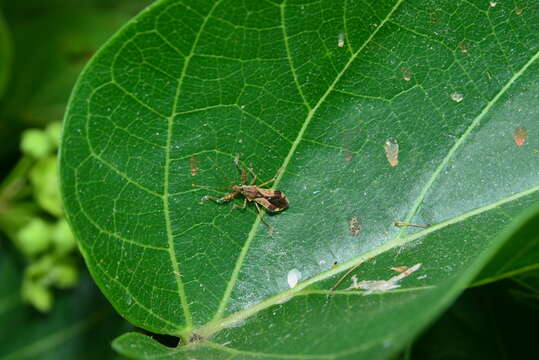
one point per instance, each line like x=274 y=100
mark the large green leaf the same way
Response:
x=195 y=83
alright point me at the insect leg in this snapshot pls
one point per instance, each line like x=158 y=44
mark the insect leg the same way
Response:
x=227 y=197
x=241 y=207
x=271 y=180
x=253 y=180
x=261 y=213
x=240 y=168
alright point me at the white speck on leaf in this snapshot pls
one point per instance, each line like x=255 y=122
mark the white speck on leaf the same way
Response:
x=340 y=42
x=457 y=97
x=293 y=277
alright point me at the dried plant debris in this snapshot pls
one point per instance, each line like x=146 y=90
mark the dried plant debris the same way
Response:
x=341 y=279
x=400 y=269
x=354 y=226
x=391 y=148
x=193 y=165
x=371 y=286
x=404 y=223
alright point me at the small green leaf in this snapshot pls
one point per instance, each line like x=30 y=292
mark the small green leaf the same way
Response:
x=37 y=294
x=36 y=143
x=44 y=179
x=35 y=237
x=311 y=91
x=62 y=237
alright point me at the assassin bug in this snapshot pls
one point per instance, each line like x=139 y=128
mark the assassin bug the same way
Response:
x=273 y=201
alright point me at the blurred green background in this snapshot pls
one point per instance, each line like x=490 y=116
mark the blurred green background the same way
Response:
x=49 y=307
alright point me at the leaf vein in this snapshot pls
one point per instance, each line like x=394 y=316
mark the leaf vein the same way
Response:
x=168 y=161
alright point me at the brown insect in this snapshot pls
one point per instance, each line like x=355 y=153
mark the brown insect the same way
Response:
x=273 y=201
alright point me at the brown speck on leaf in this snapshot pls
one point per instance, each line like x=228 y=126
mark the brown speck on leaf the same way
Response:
x=406 y=74
x=435 y=16
x=520 y=135
x=400 y=269
x=193 y=165
x=463 y=46
x=391 y=148
x=354 y=226
x=518 y=11
x=347 y=156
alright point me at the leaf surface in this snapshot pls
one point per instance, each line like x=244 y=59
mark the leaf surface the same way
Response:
x=185 y=87
x=520 y=254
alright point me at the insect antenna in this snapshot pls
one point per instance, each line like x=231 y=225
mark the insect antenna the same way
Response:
x=222 y=174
